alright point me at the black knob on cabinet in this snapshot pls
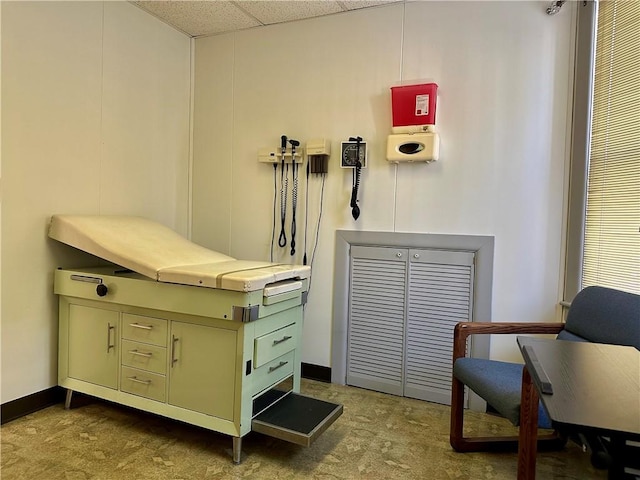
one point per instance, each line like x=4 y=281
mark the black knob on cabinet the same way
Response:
x=101 y=289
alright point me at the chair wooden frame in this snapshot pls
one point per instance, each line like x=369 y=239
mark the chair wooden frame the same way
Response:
x=458 y=441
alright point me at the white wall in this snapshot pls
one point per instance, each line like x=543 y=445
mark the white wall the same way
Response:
x=95 y=119
x=0 y=193
x=504 y=71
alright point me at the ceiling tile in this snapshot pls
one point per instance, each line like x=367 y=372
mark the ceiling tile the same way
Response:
x=283 y=11
x=200 y=18
x=209 y=17
x=355 y=4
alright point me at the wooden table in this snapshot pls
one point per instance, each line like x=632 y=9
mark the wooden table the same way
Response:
x=595 y=388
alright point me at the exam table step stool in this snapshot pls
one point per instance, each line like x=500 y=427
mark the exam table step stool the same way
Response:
x=297 y=419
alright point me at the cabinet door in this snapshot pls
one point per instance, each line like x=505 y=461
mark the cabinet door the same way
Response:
x=376 y=318
x=403 y=307
x=93 y=345
x=440 y=294
x=203 y=368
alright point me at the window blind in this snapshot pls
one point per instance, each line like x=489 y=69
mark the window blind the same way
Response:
x=612 y=228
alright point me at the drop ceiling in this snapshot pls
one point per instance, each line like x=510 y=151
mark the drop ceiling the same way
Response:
x=211 y=17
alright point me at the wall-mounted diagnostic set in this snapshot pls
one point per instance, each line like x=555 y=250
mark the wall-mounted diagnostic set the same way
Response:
x=289 y=156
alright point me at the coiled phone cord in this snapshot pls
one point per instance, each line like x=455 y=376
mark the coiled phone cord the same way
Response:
x=294 y=204
x=294 y=194
x=355 y=209
x=284 y=186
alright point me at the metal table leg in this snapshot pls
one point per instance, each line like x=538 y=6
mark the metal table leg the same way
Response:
x=67 y=401
x=237 y=449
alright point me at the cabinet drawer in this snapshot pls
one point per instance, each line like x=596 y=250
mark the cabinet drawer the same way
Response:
x=274 y=344
x=273 y=372
x=145 y=384
x=144 y=356
x=144 y=329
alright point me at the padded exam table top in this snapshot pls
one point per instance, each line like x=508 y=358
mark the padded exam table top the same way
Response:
x=157 y=252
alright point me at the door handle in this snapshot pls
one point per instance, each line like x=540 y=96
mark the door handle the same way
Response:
x=109 y=344
x=174 y=340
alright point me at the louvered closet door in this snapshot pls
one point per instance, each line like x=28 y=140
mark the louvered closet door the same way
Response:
x=376 y=318
x=440 y=294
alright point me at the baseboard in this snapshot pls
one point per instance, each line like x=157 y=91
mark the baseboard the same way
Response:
x=316 y=372
x=31 y=403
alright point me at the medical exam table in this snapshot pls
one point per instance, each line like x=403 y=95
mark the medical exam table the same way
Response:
x=181 y=331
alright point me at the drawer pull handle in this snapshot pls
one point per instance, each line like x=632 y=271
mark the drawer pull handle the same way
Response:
x=137 y=380
x=174 y=340
x=283 y=339
x=85 y=278
x=143 y=327
x=141 y=354
x=281 y=364
x=109 y=344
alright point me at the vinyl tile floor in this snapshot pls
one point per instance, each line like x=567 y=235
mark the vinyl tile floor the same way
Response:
x=378 y=436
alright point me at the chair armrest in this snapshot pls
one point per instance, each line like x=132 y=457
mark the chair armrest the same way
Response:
x=464 y=329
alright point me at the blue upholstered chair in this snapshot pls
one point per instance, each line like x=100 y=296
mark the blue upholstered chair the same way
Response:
x=597 y=314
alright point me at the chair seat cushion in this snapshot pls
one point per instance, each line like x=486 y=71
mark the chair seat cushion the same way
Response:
x=499 y=383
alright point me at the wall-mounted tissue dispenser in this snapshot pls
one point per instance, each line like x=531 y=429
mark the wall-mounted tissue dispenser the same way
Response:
x=413 y=147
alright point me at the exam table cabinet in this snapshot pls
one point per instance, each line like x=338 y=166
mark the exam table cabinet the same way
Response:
x=177 y=351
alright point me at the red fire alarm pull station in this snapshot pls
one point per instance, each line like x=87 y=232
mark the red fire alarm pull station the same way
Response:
x=414 y=105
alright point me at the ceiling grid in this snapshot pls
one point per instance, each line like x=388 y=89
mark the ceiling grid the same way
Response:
x=213 y=17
